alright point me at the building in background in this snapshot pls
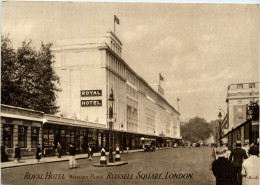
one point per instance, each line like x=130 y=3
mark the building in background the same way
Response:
x=242 y=120
x=21 y=126
x=89 y=70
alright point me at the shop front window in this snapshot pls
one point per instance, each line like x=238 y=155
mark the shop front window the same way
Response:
x=35 y=136
x=22 y=136
x=8 y=135
x=67 y=138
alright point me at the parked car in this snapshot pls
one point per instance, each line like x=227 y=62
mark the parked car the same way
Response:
x=195 y=144
x=149 y=148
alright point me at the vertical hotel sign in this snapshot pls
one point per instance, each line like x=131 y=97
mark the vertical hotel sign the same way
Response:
x=91 y=93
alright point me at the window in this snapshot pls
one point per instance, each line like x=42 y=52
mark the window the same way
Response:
x=8 y=135
x=22 y=136
x=252 y=85
x=239 y=86
x=35 y=137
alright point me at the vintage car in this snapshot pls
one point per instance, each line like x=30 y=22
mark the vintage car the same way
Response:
x=149 y=147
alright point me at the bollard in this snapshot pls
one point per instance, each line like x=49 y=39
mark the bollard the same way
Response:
x=103 y=157
x=117 y=157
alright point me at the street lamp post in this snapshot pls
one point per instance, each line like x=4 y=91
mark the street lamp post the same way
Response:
x=110 y=114
x=219 y=127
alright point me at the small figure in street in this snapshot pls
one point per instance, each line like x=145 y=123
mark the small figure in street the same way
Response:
x=17 y=153
x=228 y=152
x=236 y=157
x=4 y=154
x=222 y=169
x=72 y=152
x=90 y=153
x=59 y=150
x=250 y=167
x=38 y=152
x=246 y=148
x=215 y=146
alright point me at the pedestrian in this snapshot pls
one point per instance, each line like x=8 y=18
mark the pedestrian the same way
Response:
x=228 y=152
x=59 y=150
x=222 y=169
x=215 y=146
x=250 y=167
x=17 y=153
x=38 y=152
x=246 y=148
x=72 y=152
x=236 y=157
x=90 y=153
x=4 y=154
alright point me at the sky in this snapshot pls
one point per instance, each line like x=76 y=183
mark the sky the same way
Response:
x=198 y=48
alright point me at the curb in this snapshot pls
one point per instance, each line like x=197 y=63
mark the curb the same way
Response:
x=110 y=164
x=62 y=160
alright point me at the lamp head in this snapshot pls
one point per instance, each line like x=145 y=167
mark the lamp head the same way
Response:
x=111 y=96
x=219 y=115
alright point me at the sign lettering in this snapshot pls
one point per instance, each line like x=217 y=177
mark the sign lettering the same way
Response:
x=91 y=103
x=85 y=93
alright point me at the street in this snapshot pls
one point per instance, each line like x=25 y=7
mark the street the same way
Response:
x=178 y=166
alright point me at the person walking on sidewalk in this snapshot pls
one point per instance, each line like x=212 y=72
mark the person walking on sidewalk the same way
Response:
x=72 y=152
x=59 y=150
x=222 y=169
x=246 y=148
x=236 y=157
x=17 y=153
x=90 y=153
x=250 y=167
x=38 y=152
x=4 y=154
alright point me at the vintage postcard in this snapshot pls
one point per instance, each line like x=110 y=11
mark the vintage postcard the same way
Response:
x=129 y=93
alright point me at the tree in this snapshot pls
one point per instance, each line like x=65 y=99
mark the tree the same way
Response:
x=214 y=124
x=29 y=79
x=196 y=129
x=8 y=69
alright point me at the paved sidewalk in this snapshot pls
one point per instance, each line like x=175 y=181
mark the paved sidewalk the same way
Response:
x=32 y=161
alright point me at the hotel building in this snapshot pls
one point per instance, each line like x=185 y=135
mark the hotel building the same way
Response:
x=89 y=70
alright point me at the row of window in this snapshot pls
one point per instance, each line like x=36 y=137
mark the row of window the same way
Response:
x=132 y=91
x=131 y=78
x=22 y=136
x=150 y=112
x=132 y=126
x=132 y=103
x=116 y=48
x=132 y=113
x=243 y=86
x=150 y=122
x=116 y=65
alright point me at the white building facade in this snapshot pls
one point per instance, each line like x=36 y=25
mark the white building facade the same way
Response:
x=240 y=126
x=89 y=68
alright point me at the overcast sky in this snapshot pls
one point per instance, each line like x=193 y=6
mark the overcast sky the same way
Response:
x=198 y=48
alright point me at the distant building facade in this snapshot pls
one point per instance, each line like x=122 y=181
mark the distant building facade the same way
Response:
x=239 y=124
